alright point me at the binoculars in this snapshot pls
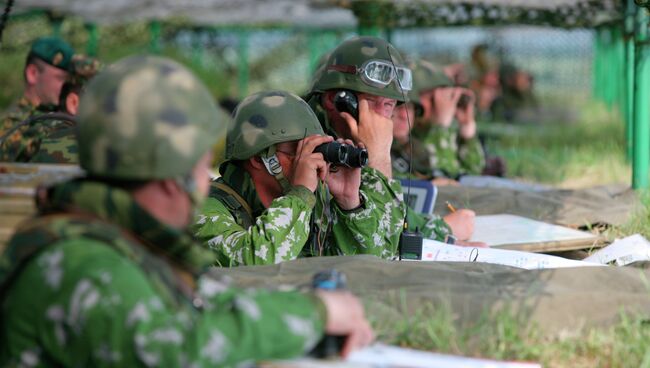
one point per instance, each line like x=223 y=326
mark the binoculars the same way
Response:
x=343 y=154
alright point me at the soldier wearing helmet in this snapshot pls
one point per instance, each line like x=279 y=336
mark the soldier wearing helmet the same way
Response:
x=453 y=151
x=372 y=71
x=277 y=199
x=108 y=274
x=413 y=150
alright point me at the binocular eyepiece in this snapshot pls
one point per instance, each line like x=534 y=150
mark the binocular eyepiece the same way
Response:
x=343 y=154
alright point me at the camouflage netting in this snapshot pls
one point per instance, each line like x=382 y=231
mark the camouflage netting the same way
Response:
x=338 y=13
x=553 y=300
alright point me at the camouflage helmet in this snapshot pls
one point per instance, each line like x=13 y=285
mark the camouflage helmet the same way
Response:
x=146 y=118
x=267 y=118
x=355 y=52
x=427 y=76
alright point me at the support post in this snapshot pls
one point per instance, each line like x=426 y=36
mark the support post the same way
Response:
x=243 y=67
x=628 y=108
x=641 y=149
x=93 y=39
x=154 y=33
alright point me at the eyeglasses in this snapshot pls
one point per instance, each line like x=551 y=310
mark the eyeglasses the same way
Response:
x=379 y=73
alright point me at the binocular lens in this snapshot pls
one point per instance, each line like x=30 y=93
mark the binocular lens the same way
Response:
x=343 y=154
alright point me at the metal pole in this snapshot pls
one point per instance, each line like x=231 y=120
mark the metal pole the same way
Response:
x=243 y=68
x=93 y=39
x=641 y=149
x=628 y=108
x=154 y=32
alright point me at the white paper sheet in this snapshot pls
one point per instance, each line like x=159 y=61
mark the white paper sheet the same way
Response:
x=380 y=355
x=623 y=251
x=496 y=230
x=436 y=251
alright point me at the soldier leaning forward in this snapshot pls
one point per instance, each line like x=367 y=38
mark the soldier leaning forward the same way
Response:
x=108 y=275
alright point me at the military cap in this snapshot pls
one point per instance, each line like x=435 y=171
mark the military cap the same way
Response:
x=54 y=51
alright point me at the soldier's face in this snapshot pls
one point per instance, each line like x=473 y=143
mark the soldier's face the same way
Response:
x=401 y=121
x=381 y=105
x=47 y=82
x=286 y=152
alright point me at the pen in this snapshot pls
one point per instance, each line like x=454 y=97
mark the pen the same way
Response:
x=450 y=207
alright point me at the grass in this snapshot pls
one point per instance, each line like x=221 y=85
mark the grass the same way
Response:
x=502 y=336
x=585 y=153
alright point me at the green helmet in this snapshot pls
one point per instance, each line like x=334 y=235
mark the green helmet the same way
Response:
x=427 y=76
x=146 y=118
x=341 y=70
x=268 y=118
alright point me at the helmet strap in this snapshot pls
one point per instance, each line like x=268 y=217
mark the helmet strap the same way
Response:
x=272 y=164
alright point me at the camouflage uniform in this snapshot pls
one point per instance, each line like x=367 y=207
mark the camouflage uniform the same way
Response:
x=19 y=144
x=449 y=154
x=16 y=113
x=50 y=140
x=385 y=194
x=299 y=223
x=95 y=280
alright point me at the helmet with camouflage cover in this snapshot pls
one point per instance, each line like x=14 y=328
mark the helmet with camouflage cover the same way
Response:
x=427 y=76
x=266 y=118
x=146 y=118
x=355 y=53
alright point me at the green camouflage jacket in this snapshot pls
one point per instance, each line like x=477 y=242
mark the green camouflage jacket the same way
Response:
x=96 y=287
x=23 y=143
x=298 y=224
x=389 y=196
x=58 y=147
x=402 y=160
x=19 y=111
x=451 y=154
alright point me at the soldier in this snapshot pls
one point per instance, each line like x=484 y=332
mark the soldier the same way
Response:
x=108 y=275
x=374 y=72
x=56 y=139
x=46 y=69
x=259 y=213
x=453 y=151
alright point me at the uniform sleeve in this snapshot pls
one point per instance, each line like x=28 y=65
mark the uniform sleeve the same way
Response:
x=471 y=155
x=277 y=235
x=84 y=304
x=431 y=226
x=375 y=228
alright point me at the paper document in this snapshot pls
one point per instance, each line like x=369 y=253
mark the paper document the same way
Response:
x=381 y=355
x=436 y=251
x=497 y=230
x=623 y=251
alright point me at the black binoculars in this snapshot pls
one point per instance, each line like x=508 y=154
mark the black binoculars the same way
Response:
x=343 y=154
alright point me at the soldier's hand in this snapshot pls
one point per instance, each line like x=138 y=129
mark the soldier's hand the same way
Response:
x=344 y=183
x=445 y=101
x=466 y=114
x=309 y=167
x=461 y=223
x=346 y=317
x=375 y=132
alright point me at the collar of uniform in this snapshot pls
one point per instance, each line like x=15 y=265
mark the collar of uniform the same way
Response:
x=241 y=182
x=115 y=205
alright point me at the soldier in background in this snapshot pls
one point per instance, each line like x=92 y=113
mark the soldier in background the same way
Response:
x=260 y=212
x=453 y=150
x=108 y=275
x=46 y=69
x=57 y=138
